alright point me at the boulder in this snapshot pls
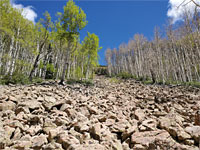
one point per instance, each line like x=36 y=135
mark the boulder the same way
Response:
x=149 y=137
x=7 y=105
x=17 y=134
x=197 y=118
x=67 y=140
x=3 y=139
x=52 y=146
x=53 y=133
x=39 y=141
x=175 y=130
x=49 y=102
x=9 y=131
x=48 y=125
x=31 y=104
x=139 y=114
x=95 y=131
x=148 y=125
x=22 y=145
x=194 y=131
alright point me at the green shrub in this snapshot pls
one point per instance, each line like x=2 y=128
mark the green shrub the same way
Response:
x=50 y=71
x=83 y=82
x=37 y=80
x=125 y=75
x=16 y=78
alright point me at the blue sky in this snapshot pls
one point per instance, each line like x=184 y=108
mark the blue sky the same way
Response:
x=114 y=22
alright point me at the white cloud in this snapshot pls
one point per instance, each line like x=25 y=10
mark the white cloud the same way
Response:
x=27 y=12
x=179 y=7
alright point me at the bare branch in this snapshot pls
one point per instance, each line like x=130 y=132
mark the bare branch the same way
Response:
x=193 y=1
x=187 y=3
x=181 y=4
x=198 y=5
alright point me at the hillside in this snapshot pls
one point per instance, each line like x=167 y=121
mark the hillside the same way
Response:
x=112 y=114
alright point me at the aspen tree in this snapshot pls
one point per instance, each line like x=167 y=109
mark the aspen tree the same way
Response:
x=72 y=20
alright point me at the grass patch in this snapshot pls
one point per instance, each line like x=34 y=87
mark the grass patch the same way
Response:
x=114 y=80
x=147 y=80
x=83 y=82
x=37 y=80
x=193 y=84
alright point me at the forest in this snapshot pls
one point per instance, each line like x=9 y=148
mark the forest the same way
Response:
x=53 y=50
x=172 y=58
x=48 y=49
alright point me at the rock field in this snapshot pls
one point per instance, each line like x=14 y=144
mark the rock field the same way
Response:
x=107 y=116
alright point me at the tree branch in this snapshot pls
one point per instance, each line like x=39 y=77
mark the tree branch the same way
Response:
x=198 y=5
x=193 y=1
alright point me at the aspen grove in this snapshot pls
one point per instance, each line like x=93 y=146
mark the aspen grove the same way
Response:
x=174 y=57
x=47 y=49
